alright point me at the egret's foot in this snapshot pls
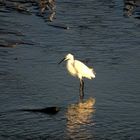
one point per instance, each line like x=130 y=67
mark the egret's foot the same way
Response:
x=81 y=99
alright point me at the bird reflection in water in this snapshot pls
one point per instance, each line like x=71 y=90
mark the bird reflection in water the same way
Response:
x=79 y=115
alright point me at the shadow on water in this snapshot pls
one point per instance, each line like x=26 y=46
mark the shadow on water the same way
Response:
x=46 y=110
x=77 y=119
x=80 y=111
x=78 y=116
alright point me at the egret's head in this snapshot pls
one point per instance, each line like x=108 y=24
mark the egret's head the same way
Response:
x=67 y=57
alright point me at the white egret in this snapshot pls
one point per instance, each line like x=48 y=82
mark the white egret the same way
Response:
x=78 y=69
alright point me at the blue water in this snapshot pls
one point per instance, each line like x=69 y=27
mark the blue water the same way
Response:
x=30 y=76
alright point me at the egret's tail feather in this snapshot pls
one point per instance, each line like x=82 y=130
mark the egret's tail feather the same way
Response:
x=93 y=73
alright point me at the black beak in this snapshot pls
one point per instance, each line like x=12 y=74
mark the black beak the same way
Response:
x=61 y=61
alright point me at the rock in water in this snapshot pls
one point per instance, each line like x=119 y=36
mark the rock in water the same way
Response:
x=47 y=110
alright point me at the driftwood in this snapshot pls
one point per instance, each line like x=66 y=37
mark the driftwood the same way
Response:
x=59 y=25
x=46 y=7
x=46 y=110
x=43 y=8
x=13 y=43
x=132 y=7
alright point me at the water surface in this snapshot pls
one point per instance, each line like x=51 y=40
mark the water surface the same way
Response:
x=31 y=78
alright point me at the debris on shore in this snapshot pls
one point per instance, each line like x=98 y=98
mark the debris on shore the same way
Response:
x=46 y=8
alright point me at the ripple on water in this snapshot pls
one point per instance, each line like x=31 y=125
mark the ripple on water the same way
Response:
x=31 y=78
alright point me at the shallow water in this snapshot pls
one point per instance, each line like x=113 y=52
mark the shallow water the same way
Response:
x=31 y=78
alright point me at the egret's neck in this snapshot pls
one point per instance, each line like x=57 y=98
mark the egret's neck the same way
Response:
x=70 y=67
x=70 y=61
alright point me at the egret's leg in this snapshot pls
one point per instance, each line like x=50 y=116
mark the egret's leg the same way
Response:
x=81 y=89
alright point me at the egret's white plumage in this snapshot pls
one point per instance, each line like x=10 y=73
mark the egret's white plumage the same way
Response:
x=78 y=69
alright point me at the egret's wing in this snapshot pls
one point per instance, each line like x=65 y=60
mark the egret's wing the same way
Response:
x=93 y=71
x=82 y=70
x=80 y=67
